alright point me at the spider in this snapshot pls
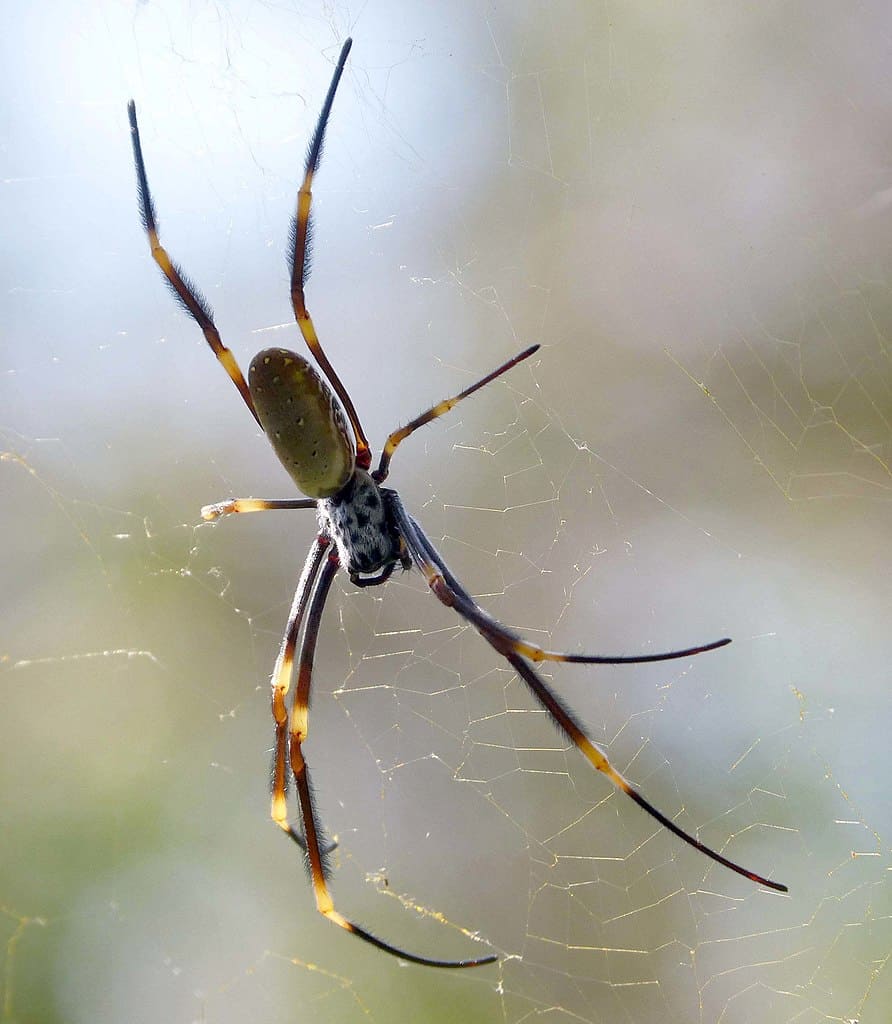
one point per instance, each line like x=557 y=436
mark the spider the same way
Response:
x=363 y=528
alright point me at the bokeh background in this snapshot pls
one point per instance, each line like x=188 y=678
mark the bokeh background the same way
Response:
x=688 y=206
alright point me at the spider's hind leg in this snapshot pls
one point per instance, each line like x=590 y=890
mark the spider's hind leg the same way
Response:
x=298 y=727
x=298 y=838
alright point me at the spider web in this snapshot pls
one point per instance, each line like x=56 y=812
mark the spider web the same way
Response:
x=689 y=209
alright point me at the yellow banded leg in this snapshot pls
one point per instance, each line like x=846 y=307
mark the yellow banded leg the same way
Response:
x=324 y=902
x=281 y=682
x=598 y=759
x=299 y=729
x=191 y=299
x=440 y=409
x=232 y=506
x=298 y=258
x=450 y=592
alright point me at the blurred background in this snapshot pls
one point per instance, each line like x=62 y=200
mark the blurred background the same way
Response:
x=688 y=206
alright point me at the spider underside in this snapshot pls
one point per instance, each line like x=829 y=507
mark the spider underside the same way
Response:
x=363 y=528
x=360 y=524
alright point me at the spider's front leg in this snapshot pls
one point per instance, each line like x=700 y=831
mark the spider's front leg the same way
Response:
x=189 y=297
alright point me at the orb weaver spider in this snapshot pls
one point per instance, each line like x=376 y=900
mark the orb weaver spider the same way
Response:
x=363 y=528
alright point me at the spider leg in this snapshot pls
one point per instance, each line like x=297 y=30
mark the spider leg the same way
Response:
x=299 y=260
x=233 y=505
x=281 y=683
x=440 y=409
x=190 y=298
x=451 y=593
x=299 y=726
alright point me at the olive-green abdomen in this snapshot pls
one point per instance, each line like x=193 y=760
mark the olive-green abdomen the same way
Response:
x=302 y=420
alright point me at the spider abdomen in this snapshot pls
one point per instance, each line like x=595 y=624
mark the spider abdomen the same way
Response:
x=358 y=522
x=303 y=421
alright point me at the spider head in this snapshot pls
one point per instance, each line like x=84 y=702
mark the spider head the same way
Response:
x=303 y=421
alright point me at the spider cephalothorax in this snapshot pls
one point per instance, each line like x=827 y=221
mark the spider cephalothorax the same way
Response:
x=362 y=528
